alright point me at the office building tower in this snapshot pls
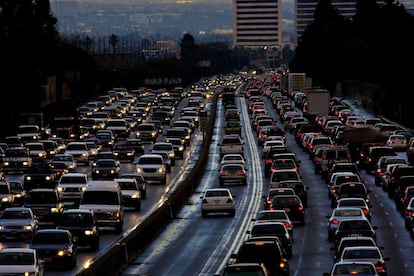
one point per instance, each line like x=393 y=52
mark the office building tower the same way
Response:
x=257 y=24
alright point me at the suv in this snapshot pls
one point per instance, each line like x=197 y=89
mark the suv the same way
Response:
x=105 y=199
x=152 y=167
x=45 y=204
x=6 y=195
x=71 y=186
x=130 y=192
x=147 y=132
x=39 y=175
x=266 y=252
x=231 y=143
x=374 y=154
x=16 y=159
x=82 y=224
x=239 y=269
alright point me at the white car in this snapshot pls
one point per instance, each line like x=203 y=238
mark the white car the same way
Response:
x=218 y=200
x=233 y=158
x=164 y=147
x=79 y=150
x=67 y=159
x=152 y=167
x=20 y=261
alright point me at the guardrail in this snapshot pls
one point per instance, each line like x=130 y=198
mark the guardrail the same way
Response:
x=117 y=257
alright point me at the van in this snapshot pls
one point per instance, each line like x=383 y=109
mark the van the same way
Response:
x=104 y=197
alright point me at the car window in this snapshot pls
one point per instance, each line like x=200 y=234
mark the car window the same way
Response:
x=16 y=258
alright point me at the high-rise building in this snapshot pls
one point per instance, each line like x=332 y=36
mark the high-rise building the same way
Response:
x=305 y=9
x=257 y=24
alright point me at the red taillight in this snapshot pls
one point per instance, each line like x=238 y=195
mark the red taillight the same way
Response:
x=334 y=221
x=300 y=208
x=408 y=213
x=380 y=267
x=366 y=212
x=223 y=174
x=242 y=173
x=287 y=225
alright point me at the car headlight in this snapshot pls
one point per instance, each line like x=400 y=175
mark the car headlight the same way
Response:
x=180 y=148
x=89 y=232
x=161 y=170
x=171 y=155
x=28 y=178
x=5 y=199
x=5 y=164
x=25 y=163
x=48 y=178
x=54 y=210
x=139 y=170
x=136 y=195
x=27 y=227
x=2 y=228
x=64 y=252
x=112 y=171
x=59 y=189
x=84 y=154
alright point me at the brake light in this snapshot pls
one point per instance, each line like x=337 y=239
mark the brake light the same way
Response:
x=223 y=173
x=242 y=173
x=300 y=208
x=334 y=221
x=366 y=212
x=282 y=265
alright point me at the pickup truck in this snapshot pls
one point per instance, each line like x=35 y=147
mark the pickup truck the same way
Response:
x=231 y=143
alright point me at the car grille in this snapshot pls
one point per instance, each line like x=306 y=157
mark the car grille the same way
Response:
x=14 y=227
x=40 y=211
x=150 y=170
x=73 y=189
x=103 y=215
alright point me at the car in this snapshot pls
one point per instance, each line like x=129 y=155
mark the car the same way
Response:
x=59 y=168
x=18 y=223
x=152 y=168
x=282 y=175
x=106 y=169
x=341 y=177
x=16 y=159
x=20 y=261
x=179 y=146
x=164 y=147
x=233 y=158
x=353 y=241
x=124 y=151
x=232 y=173
x=56 y=247
x=17 y=189
x=373 y=154
x=51 y=148
x=351 y=189
x=283 y=164
x=147 y=132
x=353 y=227
x=240 y=269
x=382 y=163
x=104 y=197
x=299 y=187
x=335 y=167
x=6 y=196
x=45 y=204
x=337 y=215
x=142 y=184
x=275 y=215
x=232 y=127
x=68 y=159
x=273 y=229
x=268 y=144
x=408 y=212
x=70 y=187
x=82 y=224
x=352 y=268
x=274 y=192
x=292 y=205
x=355 y=202
x=399 y=142
x=218 y=200
x=93 y=147
x=131 y=194
x=267 y=252
x=79 y=151
x=366 y=253
x=39 y=175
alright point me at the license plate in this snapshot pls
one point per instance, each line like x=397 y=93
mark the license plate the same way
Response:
x=217 y=201
x=286 y=209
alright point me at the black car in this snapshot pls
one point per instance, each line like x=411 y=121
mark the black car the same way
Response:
x=137 y=145
x=39 y=175
x=82 y=224
x=124 y=151
x=293 y=206
x=106 y=169
x=179 y=146
x=56 y=247
x=266 y=252
x=45 y=204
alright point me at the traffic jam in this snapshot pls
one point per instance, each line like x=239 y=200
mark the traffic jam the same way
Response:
x=68 y=184
x=341 y=143
x=56 y=195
